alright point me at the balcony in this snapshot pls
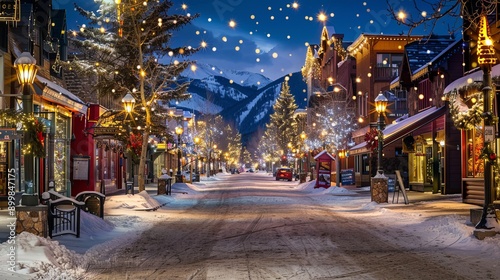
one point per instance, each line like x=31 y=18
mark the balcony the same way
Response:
x=385 y=74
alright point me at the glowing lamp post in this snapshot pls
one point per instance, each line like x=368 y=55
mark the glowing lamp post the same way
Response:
x=196 y=143
x=486 y=58
x=302 y=177
x=379 y=187
x=179 y=130
x=25 y=66
x=380 y=106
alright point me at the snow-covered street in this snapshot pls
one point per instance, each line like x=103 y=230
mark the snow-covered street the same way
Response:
x=249 y=226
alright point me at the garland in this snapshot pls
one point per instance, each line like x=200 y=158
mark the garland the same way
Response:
x=469 y=119
x=34 y=130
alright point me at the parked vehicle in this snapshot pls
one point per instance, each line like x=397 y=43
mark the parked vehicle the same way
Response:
x=284 y=173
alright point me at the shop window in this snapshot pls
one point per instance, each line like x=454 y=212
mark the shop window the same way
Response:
x=475 y=164
x=3 y=168
x=365 y=164
x=61 y=153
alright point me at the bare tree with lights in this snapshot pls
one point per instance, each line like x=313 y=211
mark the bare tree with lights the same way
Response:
x=429 y=13
x=335 y=115
x=126 y=48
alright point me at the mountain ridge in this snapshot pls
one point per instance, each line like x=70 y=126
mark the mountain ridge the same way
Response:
x=247 y=105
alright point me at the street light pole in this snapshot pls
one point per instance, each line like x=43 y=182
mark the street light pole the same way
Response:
x=178 y=131
x=379 y=183
x=486 y=58
x=380 y=106
x=26 y=73
x=196 y=142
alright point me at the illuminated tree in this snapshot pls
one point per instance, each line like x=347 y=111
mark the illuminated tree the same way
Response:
x=125 y=48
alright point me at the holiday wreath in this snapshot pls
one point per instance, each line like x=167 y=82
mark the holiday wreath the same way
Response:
x=371 y=139
x=33 y=128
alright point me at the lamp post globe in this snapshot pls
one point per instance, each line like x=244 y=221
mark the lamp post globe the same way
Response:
x=128 y=102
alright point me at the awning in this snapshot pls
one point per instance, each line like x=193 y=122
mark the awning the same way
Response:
x=396 y=131
x=359 y=149
x=57 y=94
x=472 y=77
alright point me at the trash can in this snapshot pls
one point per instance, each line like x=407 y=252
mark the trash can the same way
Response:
x=196 y=177
x=129 y=187
x=164 y=184
x=302 y=177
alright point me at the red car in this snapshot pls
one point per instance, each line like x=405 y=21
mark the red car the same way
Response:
x=284 y=173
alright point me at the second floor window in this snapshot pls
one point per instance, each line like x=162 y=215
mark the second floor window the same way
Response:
x=389 y=60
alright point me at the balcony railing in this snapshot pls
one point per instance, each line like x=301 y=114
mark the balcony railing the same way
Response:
x=385 y=73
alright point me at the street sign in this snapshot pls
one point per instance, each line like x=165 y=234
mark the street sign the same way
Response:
x=489 y=133
x=100 y=131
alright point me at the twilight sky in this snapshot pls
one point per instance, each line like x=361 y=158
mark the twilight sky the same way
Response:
x=270 y=37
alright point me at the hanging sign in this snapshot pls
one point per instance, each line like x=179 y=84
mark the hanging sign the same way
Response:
x=10 y=10
x=489 y=133
x=111 y=130
x=7 y=134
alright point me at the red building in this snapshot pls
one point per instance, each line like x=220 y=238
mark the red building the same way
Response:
x=98 y=162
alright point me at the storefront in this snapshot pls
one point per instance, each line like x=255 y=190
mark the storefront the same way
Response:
x=56 y=108
x=465 y=99
x=422 y=139
x=98 y=159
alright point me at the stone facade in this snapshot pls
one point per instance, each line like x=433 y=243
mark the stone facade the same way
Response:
x=32 y=219
x=380 y=190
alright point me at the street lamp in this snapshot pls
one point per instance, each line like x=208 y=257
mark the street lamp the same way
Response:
x=380 y=106
x=178 y=131
x=379 y=183
x=213 y=160
x=302 y=139
x=486 y=58
x=25 y=65
x=196 y=142
x=128 y=105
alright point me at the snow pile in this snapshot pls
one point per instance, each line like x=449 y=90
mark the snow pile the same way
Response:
x=338 y=191
x=93 y=225
x=41 y=258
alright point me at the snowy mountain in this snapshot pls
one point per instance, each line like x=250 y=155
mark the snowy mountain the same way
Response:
x=244 y=78
x=245 y=104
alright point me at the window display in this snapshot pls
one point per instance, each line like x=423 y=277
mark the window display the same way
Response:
x=475 y=143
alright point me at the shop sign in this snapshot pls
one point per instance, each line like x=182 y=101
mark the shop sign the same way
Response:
x=10 y=10
x=99 y=131
x=489 y=133
x=7 y=134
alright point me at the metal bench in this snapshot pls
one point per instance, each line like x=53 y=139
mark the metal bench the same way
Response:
x=94 y=202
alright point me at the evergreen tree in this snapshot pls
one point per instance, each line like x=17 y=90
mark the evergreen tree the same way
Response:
x=125 y=48
x=282 y=119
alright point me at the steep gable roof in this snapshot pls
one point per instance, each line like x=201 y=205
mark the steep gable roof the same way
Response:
x=420 y=53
